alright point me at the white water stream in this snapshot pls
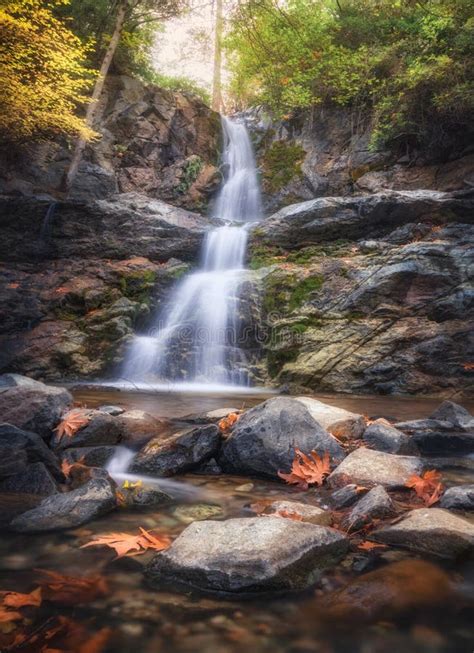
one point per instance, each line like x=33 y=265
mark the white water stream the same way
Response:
x=195 y=340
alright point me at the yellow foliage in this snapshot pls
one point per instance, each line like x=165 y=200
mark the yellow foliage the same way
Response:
x=43 y=77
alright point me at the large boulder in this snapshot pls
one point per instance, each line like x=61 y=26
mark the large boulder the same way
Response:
x=181 y=452
x=431 y=531
x=364 y=216
x=140 y=426
x=450 y=429
x=69 y=510
x=101 y=429
x=248 y=556
x=339 y=422
x=34 y=479
x=32 y=445
x=367 y=467
x=32 y=405
x=460 y=497
x=264 y=439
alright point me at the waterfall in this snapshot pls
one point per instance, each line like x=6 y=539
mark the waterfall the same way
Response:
x=196 y=336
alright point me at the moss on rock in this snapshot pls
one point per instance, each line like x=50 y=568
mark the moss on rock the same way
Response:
x=281 y=163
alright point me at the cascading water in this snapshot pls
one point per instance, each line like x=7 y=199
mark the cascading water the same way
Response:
x=196 y=338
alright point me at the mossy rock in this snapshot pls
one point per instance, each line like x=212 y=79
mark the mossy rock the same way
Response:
x=137 y=285
x=280 y=164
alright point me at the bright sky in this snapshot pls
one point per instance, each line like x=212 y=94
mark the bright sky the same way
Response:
x=186 y=46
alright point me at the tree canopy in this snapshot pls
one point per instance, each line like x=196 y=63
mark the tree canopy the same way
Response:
x=409 y=62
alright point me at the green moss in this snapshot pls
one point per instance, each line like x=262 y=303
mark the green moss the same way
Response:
x=278 y=289
x=281 y=163
x=136 y=285
x=191 y=170
x=262 y=256
x=303 y=290
x=277 y=359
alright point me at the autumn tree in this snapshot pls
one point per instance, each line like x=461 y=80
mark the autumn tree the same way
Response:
x=43 y=76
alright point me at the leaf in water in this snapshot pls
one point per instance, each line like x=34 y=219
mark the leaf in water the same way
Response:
x=127 y=544
x=307 y=470
x=427 y=487
x=71 y=590
x=72 y=422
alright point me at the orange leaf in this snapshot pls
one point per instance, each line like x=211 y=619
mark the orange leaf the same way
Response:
x=307 y=470
x=66 y=466
x=72 y=422
x=17 y=600
x=370 y=546
x=71 y=590
x=286 y=514
x=97 y=642
x=468 y=366
x=427 y=487
x=227 y=422
x=7 y=616
x=125 y=543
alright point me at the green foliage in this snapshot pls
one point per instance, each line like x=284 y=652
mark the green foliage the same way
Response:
x=281 y=162
x=263 y=256
x=408 y=64
x=43 y=77
x=302 y=291
x=180 y=84
x=191 y=170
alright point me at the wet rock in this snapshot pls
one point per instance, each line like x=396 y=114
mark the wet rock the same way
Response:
x=376 y=504
x=460 y=497
x=140 y=426
x=69 y=510
x=400 y=588
x=90 y=456
x=309 y=513
x=339 y=422
x=197 y=512
x=432 y=531
x=34 y=447
x=12 y=461
x=210 y=416
x=263 y=440
x=248 y=556
x=433 y=436
x=143 y=496
x=455 y=414
x=367 y=467
x=32 y=405
x=209 y=468
x=380 y=435
x=112 y=410
x=346 y=496
x=179 y=453
x=34 y=479
x=102 y=429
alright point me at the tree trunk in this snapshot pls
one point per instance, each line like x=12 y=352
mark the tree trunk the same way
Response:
x=96 y=93
x=216 y=80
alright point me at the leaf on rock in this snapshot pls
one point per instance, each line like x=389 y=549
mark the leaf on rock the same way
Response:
x=71 y=590
x=286 y=514
x=226 y=423
x=427 y=487
x=307 y=470
x=370 y=546
x=127 y=544
x=72 y=422
x=18 y=600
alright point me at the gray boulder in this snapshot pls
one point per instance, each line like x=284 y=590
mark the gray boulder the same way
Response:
x=346 y=496
x=376 y=504
x=12 y=461
x=455 y=414
x=90 y=456
x=102 y=429
x=460 y=497
x=34 y=479
x=32 y=445
x=31 y=405
x=433 y=436
x=69 y=510
x=339 y=422
x=367 y=467
x=264 y=439
x=248 y=556
x=431 y=531
x=383 y=437
x=179 y=453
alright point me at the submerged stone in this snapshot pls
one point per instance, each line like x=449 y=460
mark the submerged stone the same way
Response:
x=248 y=556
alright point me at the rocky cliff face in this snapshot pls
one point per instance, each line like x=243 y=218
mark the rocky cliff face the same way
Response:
x=328 y=153
x=368 y=293
x=162 y=144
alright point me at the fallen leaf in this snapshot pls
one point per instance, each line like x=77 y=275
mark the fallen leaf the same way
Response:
x=71 y=590
x=307 y=470
x=226 y=423
x=128 y=485
x=13 y=285
x=97 y=642
x=286 y=514
x=427 y=487
x=17 y=600
x=469 y=367
x=67 y=467
x=7 y=616
x=126 y=544
x=72 y=422
x=370 y=546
